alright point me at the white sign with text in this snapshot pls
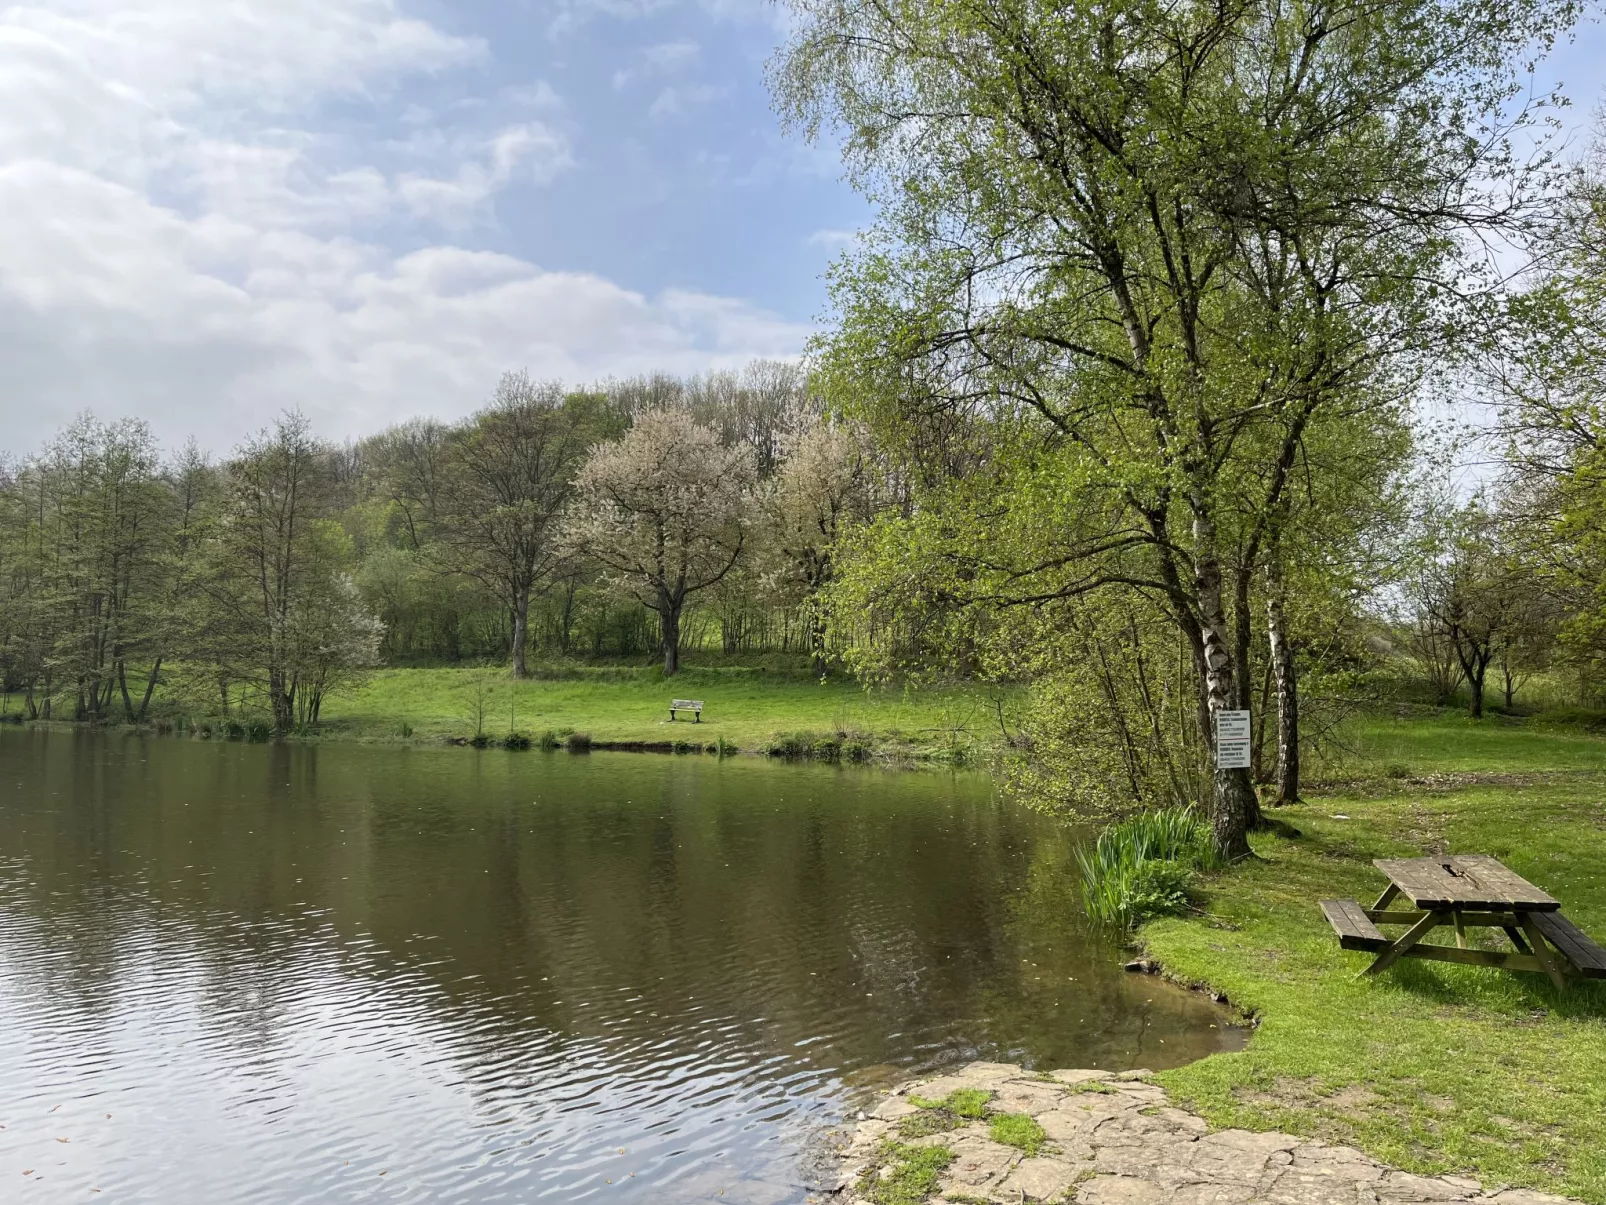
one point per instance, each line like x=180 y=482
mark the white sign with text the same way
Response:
x=1232 y=740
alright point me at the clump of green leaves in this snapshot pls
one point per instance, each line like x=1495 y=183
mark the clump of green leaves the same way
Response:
x=969 y=1103
x=949 y=1113
x=1143 y=866
x=914 y=1175
x=1018 y=1130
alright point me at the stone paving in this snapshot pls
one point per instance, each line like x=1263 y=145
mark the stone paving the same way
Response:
x=1114 y=1139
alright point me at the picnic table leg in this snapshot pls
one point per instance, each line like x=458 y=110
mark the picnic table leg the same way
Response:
x=1384 y=899
x=1460 y=931
x=1412 y=935
x=1541 y=952
x=1515 y=934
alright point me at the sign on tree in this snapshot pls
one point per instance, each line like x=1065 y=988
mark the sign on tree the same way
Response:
x=1232 y=740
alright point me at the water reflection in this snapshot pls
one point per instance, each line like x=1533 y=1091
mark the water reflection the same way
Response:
x=284 y=973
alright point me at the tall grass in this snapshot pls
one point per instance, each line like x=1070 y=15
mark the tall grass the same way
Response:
x=1143 y=865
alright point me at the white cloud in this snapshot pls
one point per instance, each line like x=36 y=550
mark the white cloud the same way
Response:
x=679 y=100
x=187 y=238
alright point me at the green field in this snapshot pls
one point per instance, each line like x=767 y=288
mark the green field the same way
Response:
x=746 y=707
x=1432 y=1067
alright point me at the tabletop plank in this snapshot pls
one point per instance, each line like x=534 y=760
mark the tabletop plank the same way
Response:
x=1464 y=881
x=1497 y=876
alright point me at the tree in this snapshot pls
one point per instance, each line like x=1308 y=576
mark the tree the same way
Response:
x=509 y=478
x=665 y=510
x=1144 y=253
x=281 y=613
x=826 y=483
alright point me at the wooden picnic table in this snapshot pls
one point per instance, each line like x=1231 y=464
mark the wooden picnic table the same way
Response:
x=1466 y=891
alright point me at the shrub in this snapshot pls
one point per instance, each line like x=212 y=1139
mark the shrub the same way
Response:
x=826 y=749
x=579 y=742
x=234 y=730
x=516 y=740
x=856 y=751
x=479 y=740
x=725 y=748
x=405 y=731
x=258 y=731
x=549 y=740
x=1142 y=866
x=795 y=744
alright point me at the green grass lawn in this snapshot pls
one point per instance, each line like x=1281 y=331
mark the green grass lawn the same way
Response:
x=748 y=708
x=1432 y=1067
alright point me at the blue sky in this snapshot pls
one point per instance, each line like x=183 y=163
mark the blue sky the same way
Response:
x=368 y=209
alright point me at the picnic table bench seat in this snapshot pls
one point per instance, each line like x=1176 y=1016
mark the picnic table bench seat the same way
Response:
x=1354 y=928
x=1572 y=941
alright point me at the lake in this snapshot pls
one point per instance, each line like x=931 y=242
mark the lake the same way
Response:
x=287 y=973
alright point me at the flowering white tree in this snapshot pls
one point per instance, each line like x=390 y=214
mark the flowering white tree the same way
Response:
x=665 y=511
x=826 y=484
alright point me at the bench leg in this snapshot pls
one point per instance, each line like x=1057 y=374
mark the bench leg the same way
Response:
x=1515 y=934
x=671 y=716
x=1541 y=952
x=1412 y=935
x=696 y=717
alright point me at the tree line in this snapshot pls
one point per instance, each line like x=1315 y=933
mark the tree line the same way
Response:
x=552 y=518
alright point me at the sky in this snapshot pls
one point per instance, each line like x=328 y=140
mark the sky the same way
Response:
x=212 y=211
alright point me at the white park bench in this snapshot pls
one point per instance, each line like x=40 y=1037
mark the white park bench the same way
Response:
x=695 y=706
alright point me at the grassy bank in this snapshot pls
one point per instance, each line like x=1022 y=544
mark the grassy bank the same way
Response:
x=1432 y=1067
x=750 y=709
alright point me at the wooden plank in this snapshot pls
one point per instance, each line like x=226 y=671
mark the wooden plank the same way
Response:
x=1426 y=882
x=1499 y=881
x=1574 y=944
x=1464 y=881
x=1412 y=935
x=1489 y=920
x=1477 y=958
x=1355 y=931
x=1541 y=952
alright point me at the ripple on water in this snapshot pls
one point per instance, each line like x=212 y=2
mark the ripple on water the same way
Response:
x=275 y=974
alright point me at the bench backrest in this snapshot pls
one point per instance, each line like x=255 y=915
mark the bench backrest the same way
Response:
x=686 y=705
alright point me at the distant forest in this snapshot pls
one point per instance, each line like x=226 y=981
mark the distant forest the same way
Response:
x=629 y=520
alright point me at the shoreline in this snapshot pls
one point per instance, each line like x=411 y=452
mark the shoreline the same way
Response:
x=991 y=1133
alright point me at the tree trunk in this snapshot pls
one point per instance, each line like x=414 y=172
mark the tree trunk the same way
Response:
x=1475 y=684
x=669 y=617
x=1282 y=668
x=122 y=685
x=150 y=688
x=1234 y=808
x=521 y=627
x=284 y=715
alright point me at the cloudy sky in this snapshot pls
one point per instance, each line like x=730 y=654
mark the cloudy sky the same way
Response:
x=212 y=210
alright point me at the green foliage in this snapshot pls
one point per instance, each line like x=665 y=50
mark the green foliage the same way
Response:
x=578 y=742
x=516 y=740
x=1019 y=1130
x=970 y=1103
x=1143 y=865
x=915 y=1173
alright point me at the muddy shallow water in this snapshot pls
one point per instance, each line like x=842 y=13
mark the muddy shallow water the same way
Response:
x=265 y=973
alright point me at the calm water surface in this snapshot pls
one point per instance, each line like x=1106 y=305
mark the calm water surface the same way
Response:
x=241 y=973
